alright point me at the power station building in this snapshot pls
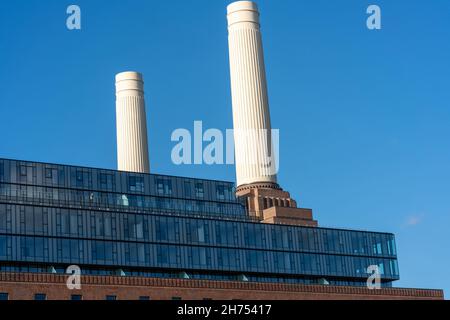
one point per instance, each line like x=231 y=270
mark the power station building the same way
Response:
x=140 y=235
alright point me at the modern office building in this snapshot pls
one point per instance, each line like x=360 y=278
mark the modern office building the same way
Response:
x=136 y=235
x=147 y=235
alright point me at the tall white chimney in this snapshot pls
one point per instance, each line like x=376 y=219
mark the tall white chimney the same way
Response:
x=132 y=144
x=256 y=161
x=251 y=118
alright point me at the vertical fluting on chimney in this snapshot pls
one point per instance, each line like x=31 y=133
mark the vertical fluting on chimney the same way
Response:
x=251 y=117
x=132 y=144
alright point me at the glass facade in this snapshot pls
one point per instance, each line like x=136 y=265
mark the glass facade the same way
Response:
x=56 y=215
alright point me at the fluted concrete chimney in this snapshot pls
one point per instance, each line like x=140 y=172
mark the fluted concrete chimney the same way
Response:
x=256 y=166
x=255 y=161
x=132 y=144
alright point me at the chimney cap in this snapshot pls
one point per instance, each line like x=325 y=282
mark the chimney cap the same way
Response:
x=242 y=11
x=129 y=75
x=129 y=83
x=242 y=6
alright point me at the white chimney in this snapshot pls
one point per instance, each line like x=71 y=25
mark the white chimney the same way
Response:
x=251 y=118
x=132 y=145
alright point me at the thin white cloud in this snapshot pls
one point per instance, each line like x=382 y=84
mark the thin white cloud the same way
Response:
x=413 y=220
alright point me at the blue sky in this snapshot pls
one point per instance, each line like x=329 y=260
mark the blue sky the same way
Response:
x=364 y=116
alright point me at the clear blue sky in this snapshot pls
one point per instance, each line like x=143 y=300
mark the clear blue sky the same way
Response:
x=364 y=116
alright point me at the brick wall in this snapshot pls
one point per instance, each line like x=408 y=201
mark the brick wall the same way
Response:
x=21 y=286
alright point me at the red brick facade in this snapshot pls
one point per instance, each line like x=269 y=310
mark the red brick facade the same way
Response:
x=23 y=286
